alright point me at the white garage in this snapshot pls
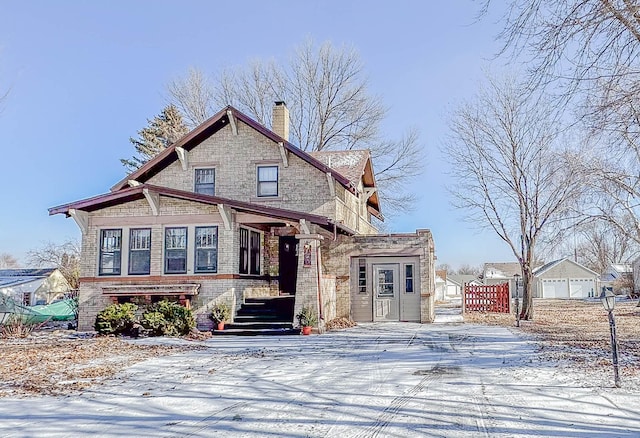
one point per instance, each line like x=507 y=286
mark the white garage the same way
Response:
x=565 y=278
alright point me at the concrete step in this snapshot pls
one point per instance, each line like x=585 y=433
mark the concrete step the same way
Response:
x=256 y=332
x=259 y=325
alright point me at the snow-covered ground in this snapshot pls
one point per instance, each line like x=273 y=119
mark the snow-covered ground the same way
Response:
x=384 y=380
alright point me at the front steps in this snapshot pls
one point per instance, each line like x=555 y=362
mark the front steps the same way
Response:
x=262 y=316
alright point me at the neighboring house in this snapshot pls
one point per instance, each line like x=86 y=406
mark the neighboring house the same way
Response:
x=497 y=273
x=565 y=278
x=456 y=283
x=618 y=277
x=231 y=211
x=31 y=287
x=441 y=285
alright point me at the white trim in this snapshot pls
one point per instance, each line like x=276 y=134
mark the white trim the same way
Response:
x=133 y=183
x=283 y=153
x=81 y=218
x=154 y=201
x=183 y=156
x=225 y=214
x=232 y=121
x=369 y=191
x=332 y=184
x=304 y=227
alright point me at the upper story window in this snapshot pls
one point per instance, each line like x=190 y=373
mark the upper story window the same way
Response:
x=205 y=181
x=206 y=249
x=267 y=181
x=139 y=251
x=175 y=250
x=249 y=252
x=110 y=252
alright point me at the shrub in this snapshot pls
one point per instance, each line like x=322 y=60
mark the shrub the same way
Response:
x=165 y=318
x=220 y=313
x=306 y=317
x=116 y=319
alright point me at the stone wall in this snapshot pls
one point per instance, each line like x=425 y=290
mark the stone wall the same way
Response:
x=337 y=261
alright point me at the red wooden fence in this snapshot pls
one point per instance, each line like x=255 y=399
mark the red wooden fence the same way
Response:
x=491 y=298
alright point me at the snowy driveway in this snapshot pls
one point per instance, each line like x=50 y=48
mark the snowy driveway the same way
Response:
x=385 y=380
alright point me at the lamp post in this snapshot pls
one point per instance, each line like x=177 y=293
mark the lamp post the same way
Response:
x=609 y=302
x=517 y=280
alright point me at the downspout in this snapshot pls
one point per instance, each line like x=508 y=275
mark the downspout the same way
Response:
x=320 y=312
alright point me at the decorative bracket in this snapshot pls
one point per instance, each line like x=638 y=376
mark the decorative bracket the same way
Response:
x=304 y=227
x=183 y=156
x=283 y=153
x=81 y=218
x=154 y=201
x=225 y=213
x=332 y=185
x=232 y=121
x=369 y=191
x=133 y=183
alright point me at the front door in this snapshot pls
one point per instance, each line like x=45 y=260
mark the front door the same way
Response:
x=288 y=264
x=385 y=293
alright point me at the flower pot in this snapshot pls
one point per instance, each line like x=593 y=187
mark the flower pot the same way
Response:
x=306 y=330
x=221 y=326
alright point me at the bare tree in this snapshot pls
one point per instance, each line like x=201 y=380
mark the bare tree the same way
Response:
x=330 y=107
x=193 y=96
x=467 y=269
x=64 y=256
x=510 y=174
x=7 y=261
x=587 y=52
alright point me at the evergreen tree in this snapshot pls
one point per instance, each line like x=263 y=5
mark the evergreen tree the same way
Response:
x=165 y=128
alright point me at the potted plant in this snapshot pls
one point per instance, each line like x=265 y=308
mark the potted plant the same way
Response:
x=220 y=313
x=307 y=319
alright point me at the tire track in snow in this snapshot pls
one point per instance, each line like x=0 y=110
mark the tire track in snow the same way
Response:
x=396 y=405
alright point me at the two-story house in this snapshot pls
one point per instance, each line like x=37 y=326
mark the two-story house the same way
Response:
x=231 y=211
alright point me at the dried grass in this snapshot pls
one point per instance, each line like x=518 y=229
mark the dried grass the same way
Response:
x=578 y=331
x=55 y=363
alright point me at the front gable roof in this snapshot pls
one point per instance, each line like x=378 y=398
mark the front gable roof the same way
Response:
x=356 y=166
x=140 y=191
x=547 y=267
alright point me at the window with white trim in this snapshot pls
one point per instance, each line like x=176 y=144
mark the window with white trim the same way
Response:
x=175 y=250
x=139 y=251
x=206 y=259
x=267 y=181
x=205 y=180
x=110 y=252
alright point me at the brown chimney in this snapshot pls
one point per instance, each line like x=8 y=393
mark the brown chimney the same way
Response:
x=280 y=121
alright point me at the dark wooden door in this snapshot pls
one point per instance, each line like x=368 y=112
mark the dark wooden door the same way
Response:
x=288 y=261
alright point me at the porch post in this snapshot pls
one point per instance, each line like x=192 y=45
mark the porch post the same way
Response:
x=308 y=282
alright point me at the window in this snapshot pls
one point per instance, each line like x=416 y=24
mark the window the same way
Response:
x=110 y=249
x=249 y=252
x=267 y=180
x=140 y=251
x=205 y=181
x=255 y=253
x=362 y=276
x=244 y=251
x=408 y=276
x=175 y=251
x=206 y=249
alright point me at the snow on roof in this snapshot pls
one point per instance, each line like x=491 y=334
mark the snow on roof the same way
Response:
x=15 y=277
x=350 y=164
x=30 y=272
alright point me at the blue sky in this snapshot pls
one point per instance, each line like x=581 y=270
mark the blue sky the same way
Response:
x=85 y=76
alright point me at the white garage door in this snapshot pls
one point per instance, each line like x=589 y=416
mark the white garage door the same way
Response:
x=555 y=288
x=582 y=287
